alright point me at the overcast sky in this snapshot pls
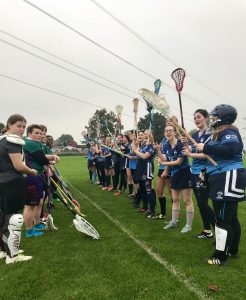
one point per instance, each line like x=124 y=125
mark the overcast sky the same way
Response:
x=205 y=37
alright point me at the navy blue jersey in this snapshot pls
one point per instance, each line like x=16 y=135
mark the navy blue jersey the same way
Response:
x=227 y=151
x=173 y=154
x=198 y=164
x=162 y=149
x=145 y=167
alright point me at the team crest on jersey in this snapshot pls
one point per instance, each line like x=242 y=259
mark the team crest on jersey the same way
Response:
x=201 y=140
x=230 y=136
x=219 y=195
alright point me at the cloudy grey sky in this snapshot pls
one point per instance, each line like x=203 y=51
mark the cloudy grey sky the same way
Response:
x=205 y=37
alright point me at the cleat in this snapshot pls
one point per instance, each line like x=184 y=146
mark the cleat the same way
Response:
x=170 y=225
x=33 y=232
x=213 y=261
x=186 y=229
x=110 y=188
x=39 y=226
x=159 y=217
x=203 y=235
x=105 y=188
x=234 y=256
x=15 y=259
x=3 y=254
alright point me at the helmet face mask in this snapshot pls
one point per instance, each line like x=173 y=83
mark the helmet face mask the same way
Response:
x=226 y=114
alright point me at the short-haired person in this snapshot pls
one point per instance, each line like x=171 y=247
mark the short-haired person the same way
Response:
x=198 y=168
x=12 y=189
x=180 y=178
x=35 y=188
x=226 y=181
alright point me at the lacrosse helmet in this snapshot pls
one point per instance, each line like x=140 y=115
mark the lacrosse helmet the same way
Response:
x=226 y=114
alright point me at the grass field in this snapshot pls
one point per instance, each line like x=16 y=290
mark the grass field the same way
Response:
x=134 y=259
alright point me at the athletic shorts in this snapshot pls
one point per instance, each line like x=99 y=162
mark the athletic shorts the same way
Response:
x=228 y=186
x=160 y=171
x=35 y=190
x=12 y=196
x=181 y=180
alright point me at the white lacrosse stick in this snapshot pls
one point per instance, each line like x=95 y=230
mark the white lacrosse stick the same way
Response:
x=50 y=223
x=135 y=102
x=85 y=227
x=160 y=104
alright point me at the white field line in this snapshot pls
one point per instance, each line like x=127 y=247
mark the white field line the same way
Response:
x=180 y=276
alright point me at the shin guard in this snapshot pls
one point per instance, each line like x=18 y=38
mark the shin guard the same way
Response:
x=12 y=234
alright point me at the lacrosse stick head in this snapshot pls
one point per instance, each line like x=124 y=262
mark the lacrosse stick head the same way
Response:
x=135 y=102
x=85 y=227
x=159 y=103
x=157 y=85
x=50 y=223
x=178 y=75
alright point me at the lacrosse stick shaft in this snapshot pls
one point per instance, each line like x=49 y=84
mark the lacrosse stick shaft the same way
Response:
x=181 y=111
x=190 y=138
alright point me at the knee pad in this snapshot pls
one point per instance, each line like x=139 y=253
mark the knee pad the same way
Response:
x=12 y=234
x=221 y=238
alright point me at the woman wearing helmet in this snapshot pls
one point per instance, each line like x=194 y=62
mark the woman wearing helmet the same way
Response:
x=226 y=181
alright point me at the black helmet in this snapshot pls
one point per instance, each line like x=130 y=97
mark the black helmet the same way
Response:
x=226 y=114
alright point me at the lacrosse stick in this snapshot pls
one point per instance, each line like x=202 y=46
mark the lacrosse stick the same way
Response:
x=79 y=222
x=110 y=134
x=135 y=102
x=178 y=76
x=49 y=220
x=64 y=186
x=164 y=108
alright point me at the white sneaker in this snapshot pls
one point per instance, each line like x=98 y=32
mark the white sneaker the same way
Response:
x=19 y=257
x=170 y=225
x=186 y=229
x=3 y=254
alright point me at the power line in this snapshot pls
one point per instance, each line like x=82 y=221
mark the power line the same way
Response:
x=66 y=61
x=109 y=51
x=64 y=68
x=58 y=93
x=138 y=36
x=55 y=92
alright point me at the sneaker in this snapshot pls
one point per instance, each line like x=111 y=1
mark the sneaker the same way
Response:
x=39 y=226
x=3 y=254
x=33 y=232
x=186 y=229
x=159 y=217
x=105 y=188
x=234 y=256
x=151 y=216
x=170 y=225
x=214 y=261
x=117 y=194
x=203 y=235
x=18 y=258
x=110 y=188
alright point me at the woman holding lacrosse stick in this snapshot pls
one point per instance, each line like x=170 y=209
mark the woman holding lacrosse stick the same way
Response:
x=198 y=169
x=180 y=178
x=145 y=172
x=163 y=178
x=12 y=189
x=226 y=181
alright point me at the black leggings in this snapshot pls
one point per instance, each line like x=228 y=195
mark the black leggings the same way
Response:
x=226 y=218
x=206 y=212
x=148 y=196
